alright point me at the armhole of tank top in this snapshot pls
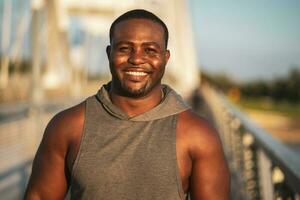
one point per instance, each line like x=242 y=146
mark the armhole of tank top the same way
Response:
x=73 y=173
x=178 y=178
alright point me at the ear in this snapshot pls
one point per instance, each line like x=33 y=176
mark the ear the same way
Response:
x=108 y=48
x=167 y=55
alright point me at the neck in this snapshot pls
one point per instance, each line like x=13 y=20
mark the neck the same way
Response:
x=136 y=106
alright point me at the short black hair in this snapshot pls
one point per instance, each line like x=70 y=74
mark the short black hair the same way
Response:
x=139 y=14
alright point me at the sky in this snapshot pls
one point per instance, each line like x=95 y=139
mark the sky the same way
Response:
x=247 y=39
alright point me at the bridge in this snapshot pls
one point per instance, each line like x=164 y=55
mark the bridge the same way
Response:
x=50 y=53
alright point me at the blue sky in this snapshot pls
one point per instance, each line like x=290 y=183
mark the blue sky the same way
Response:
x=247 y=39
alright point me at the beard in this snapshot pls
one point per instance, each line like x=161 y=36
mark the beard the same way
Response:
x=122 y=88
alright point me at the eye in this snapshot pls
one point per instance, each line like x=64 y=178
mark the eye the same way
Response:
x=150 y=51
x=124 y=49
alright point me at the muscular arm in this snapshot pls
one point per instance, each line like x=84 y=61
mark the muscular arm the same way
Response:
x=209 y=177
x=50 y=171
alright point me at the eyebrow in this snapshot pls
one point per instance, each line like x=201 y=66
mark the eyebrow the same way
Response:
x=123 y=42
x=144 y=43
x=152 y=43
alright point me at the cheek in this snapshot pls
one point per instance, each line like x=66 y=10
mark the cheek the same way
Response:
x=158 y=63
x=118 y=60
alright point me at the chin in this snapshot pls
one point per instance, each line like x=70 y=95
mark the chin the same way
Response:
x=135 y=92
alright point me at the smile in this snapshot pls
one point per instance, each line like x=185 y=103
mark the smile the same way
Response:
x=132 y=73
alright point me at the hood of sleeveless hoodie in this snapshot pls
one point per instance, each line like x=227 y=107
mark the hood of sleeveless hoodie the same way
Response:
x=171 y=104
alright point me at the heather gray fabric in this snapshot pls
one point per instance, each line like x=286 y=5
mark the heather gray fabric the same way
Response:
x=122 y=158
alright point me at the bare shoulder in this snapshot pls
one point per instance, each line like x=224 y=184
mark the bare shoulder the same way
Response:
x=198 y=132
x=67 y=122
x=191 y=121
x=53 y=161
x=64 y=132
x=209 y=171
x=64 y=127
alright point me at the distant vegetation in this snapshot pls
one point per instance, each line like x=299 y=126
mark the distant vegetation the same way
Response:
x=281 y=89
x=18 y=66
x=280 y=94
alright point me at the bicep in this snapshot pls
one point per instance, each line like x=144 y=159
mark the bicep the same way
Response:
x=48 y=178
x=210 y=175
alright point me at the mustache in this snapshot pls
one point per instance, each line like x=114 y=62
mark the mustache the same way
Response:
x=138 y=68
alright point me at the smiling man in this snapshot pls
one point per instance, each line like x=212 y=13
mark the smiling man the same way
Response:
x=135 y=138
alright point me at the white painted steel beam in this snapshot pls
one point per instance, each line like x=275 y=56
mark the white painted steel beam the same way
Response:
x=182 y=71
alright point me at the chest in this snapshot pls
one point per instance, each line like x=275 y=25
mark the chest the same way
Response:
x=128 y=148
x=129 y=156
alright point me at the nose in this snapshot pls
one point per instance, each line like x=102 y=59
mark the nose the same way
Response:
x=136 y=57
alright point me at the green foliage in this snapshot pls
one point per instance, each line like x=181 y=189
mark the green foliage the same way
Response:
x=220 y=81
x=266 y=104
x=19 y=66
x=280 y=89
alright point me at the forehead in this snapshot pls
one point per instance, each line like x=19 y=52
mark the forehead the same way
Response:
x=138 y=29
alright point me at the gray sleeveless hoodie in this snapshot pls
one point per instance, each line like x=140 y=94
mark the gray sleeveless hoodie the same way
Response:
x=122 y=157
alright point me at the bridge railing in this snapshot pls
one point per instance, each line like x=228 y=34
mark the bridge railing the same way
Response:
x=18 y=142
x=264 y=167
x=20 y=134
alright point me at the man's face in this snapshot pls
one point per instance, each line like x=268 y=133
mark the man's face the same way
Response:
x=137 y=57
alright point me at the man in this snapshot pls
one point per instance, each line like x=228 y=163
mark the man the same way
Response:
x=134 y=139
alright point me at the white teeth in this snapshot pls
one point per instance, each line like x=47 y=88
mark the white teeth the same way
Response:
x=136 y=73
